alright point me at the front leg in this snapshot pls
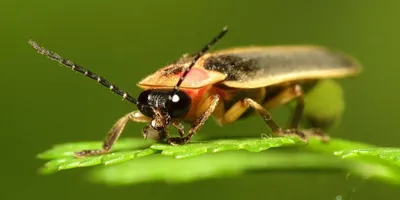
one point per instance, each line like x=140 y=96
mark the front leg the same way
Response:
x=114 y=133
x=197 y=124
x=180 y=128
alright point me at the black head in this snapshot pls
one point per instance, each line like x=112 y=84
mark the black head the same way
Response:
x=176 y=106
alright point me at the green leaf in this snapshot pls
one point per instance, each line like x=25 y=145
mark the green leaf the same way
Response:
x=68 y=149
x=142 y=161
x=167 y=169
x=112 y=158
x=389 y=153
x=251 y=145
x=204 y=167
x=63 y=155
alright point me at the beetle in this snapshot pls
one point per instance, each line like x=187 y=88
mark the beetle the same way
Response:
x=226 y=84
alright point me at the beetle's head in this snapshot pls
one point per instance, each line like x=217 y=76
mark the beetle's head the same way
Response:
x=162 y=107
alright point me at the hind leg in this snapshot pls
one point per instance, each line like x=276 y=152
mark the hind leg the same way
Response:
x=295 y=92
x=292 y=93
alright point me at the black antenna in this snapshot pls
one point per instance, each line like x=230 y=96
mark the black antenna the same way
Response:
x=77 y=68
x=197 y=57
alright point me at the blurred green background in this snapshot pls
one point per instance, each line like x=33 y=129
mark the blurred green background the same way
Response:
x=44 y=104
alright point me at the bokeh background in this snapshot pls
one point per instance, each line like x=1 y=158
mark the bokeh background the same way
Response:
x=44 y=104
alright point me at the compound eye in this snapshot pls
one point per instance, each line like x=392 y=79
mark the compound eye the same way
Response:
x=179 y=105
x=144 y=99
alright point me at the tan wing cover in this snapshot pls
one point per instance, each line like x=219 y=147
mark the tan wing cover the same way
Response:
x=254 y=67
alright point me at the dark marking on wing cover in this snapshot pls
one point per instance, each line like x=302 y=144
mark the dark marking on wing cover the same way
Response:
x=248 y=65
x=235 y=67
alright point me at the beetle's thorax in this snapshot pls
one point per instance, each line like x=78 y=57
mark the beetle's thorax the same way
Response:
x=168 y=76
x=199 y=98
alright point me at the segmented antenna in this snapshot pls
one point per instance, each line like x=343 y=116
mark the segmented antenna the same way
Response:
x=197 y=57
x=77 y=68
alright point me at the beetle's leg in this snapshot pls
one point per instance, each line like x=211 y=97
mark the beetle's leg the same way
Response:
x=299 y=109
x=276 y=129
x=287 y=95
x=237 y=109
x=232 y=114
x=180 y=128
x=198 y=123
x=114 y=133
